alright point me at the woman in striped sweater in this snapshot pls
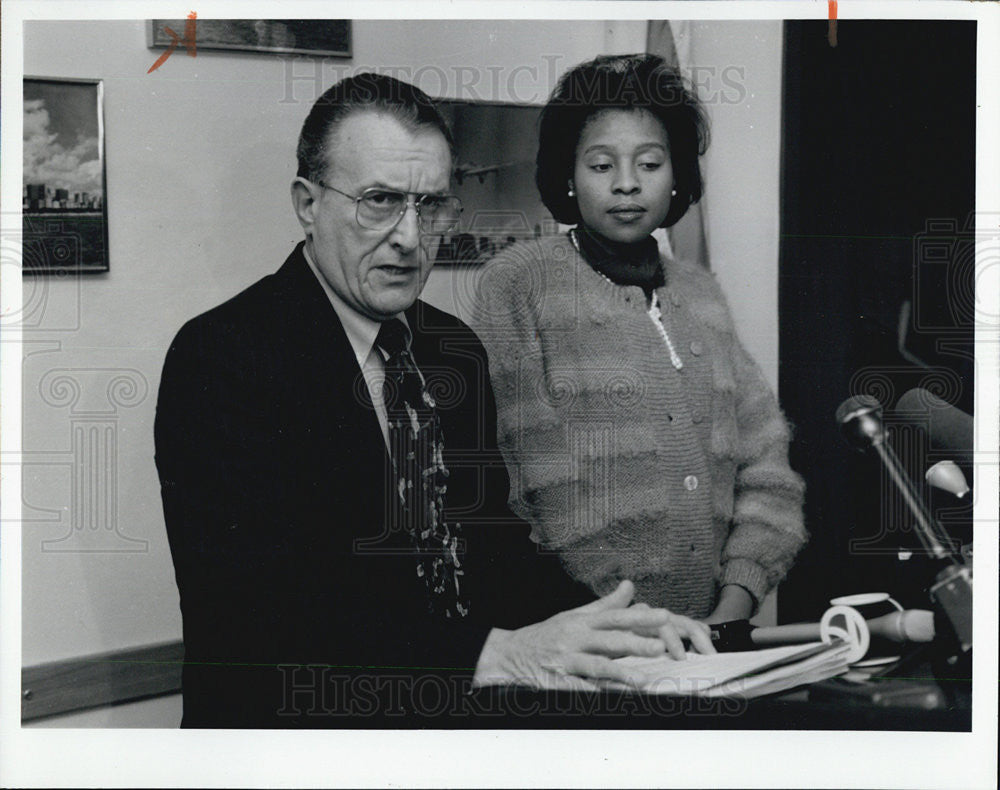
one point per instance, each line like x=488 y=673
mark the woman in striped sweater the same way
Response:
x=643 y=442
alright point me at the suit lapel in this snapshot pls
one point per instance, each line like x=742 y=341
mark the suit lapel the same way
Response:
x=329 y=386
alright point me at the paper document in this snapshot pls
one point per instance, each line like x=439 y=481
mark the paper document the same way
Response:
x=744 y=674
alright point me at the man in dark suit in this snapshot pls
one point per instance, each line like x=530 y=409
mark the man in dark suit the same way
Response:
x=333 y=495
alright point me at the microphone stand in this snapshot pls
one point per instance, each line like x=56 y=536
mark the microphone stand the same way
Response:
x=860 y=420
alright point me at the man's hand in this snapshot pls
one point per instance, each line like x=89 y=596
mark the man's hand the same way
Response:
x=679 y=629
x=573 y=649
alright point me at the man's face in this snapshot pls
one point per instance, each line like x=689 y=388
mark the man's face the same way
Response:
x=377 y=272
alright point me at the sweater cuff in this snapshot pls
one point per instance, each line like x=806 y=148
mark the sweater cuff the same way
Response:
x=748 y=575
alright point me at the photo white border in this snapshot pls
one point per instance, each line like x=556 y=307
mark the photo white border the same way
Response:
x=114 y=758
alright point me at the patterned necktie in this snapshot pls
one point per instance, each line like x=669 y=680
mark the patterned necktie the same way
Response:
x=416 y=445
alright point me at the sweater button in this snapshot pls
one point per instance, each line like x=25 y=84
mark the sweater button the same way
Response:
x=697 y=417
x=696 y=348
x=690 y=482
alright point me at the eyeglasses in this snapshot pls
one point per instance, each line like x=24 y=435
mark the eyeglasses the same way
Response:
x=382 y=209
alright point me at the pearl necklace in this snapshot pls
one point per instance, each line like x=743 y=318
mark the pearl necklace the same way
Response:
x=654 y=313
x=656 y=317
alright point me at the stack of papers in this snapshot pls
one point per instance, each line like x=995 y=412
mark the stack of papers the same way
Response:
x=746 y=674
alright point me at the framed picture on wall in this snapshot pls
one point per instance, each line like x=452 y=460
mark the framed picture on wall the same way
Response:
x=495 y=148
x=63 y=199
x=327 y=37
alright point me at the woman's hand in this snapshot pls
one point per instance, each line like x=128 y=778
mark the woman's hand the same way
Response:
x=735 y=603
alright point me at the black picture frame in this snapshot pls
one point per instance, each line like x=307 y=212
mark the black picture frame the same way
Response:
x=64 y=189
x=325 y=37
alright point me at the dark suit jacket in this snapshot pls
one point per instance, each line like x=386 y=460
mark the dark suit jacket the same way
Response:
x=300 y=607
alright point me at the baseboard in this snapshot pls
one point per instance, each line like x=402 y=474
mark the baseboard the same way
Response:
x=101 y=679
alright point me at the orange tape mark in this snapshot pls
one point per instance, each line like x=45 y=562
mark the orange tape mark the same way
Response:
x=190 y=41
x=831 y=33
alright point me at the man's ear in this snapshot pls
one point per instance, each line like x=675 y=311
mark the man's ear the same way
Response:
x=305 y=203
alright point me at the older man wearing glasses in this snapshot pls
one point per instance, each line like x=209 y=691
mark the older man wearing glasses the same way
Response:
x=333 y=495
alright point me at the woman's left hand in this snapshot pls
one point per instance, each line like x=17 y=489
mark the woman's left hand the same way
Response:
x=735 y=603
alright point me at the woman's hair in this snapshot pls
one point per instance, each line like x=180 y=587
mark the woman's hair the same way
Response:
x=619 y=82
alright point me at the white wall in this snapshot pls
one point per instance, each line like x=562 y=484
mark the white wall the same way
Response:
x=739 y=67
x=199 y=157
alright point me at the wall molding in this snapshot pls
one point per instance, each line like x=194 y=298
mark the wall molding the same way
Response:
x=101 y=679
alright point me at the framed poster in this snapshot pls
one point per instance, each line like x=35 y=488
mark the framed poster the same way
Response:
x=328 y=37
x=63 y=199
x=495 y=145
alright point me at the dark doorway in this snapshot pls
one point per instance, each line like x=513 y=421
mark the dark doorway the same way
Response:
x=876 y=281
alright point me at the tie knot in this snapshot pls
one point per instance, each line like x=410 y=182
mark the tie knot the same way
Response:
x=392 y=337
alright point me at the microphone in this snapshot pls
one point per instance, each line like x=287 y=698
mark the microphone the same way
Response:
x=948 y=477
x=910 y=625
x=950 y=429
x=860 y=420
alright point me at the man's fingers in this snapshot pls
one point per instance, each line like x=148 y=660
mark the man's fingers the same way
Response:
x=634 y=617
x=680 y=628
x=622 y=643
x=599 y=668
x=618 y=599
x=675 y=646
x=701 y=639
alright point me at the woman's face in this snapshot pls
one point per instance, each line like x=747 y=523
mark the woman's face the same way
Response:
x=623 y=176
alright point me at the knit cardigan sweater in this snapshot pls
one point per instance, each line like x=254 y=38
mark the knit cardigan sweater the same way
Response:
x=626 y=466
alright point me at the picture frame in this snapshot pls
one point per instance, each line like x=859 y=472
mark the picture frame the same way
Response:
x=495 y=145
x=64 y=187
x=325 y=37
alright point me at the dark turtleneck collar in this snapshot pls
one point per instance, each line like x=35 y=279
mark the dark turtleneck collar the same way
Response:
x=637 y=263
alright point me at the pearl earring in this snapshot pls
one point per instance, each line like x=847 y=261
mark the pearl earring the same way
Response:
x=673 y=193
x=570 y=192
